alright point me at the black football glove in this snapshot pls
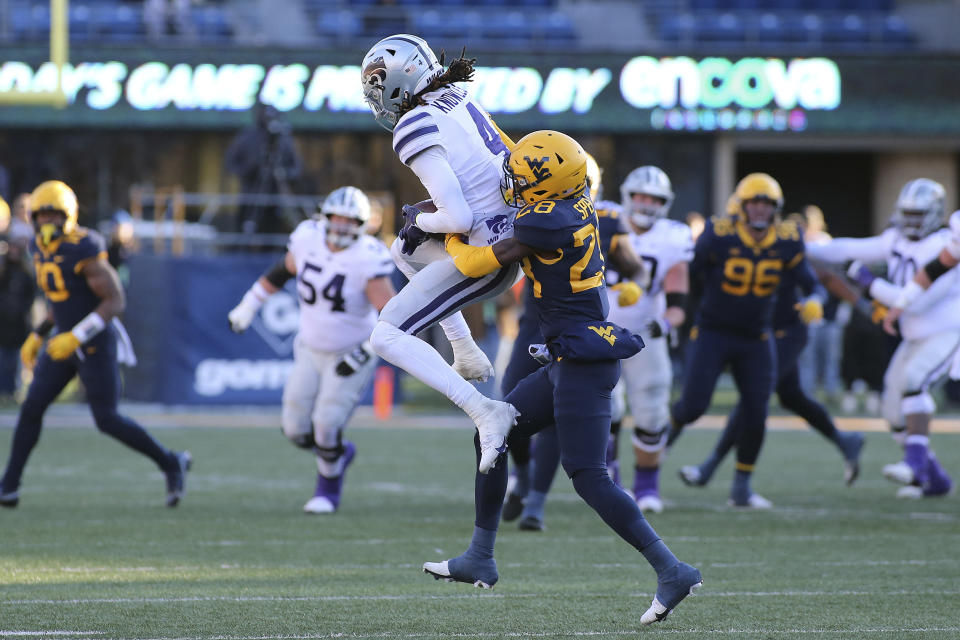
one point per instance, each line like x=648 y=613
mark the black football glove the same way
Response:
x=352 y=362
x=411 y=235
x=658 y=327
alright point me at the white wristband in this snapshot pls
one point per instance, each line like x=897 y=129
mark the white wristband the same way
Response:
x=910 y=292
x=255 y=297
x=88 y=327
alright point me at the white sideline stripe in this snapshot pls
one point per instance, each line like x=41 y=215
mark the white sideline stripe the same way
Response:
x=239 y=599
x=571 y=634
x=30 y=634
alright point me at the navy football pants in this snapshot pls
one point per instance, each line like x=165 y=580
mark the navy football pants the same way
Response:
x=100 y=375
x=576 y=396
x=790 y=343
x=752 y=362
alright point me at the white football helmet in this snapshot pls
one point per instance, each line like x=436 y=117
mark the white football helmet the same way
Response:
x=348 y=202
x=395 y=69
x=651 y=181
x=919 y=208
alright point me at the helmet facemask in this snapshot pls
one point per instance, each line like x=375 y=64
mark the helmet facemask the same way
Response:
x=758 y=212
x=919 y=210
x=51 y=228
x=343 y=231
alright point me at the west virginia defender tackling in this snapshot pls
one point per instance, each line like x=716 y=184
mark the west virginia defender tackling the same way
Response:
x=930 y=326
x=84 y=295
x=457 y=152
x=526 y=504
x=556 y=240
x=742 y=261
x=343 y=281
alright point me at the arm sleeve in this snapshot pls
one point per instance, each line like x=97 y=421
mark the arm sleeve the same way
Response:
x=453 y=214
x=873 y=249
x=884 y=292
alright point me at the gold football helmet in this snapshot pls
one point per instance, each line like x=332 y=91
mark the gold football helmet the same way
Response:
x=759 y=187
x=733 y=206
x=543 y=165
x=594 y=174
x=53 y=195
x=4 y=215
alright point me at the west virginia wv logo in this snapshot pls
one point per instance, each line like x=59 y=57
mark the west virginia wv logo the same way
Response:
x=540 y=172
x=604 y=332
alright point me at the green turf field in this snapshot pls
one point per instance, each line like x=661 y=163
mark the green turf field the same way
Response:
x=92 y=553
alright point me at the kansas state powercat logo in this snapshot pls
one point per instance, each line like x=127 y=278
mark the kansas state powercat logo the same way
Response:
x=496 y=224
x=278 y=321
x=375 y=73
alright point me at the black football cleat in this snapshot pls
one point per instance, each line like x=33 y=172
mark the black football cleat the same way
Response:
x=177 y=478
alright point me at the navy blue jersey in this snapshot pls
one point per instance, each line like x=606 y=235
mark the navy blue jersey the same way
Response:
x=59 y=270
x=801 y=278
x=566 y=273
x=612 y=226
x=741 y=276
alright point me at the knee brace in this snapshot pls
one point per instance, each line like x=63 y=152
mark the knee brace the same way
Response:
x=649 y=440
x=917 y=402
x=301 y=440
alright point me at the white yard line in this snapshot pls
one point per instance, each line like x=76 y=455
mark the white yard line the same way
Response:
x=466 y=596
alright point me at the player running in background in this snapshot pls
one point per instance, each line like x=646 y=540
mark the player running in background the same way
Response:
x=948 y=258
x=791 y=317
x=742 y=261
x=666 y=247
x=457 y=152
x=84 y=294
x=930 y=326
x=527 y=498
x=343 y=279
x=556 y=240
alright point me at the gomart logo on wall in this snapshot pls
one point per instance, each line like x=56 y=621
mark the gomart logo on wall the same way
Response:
x=276 y=325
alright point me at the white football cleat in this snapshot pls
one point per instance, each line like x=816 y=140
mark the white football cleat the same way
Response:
x=755 y=501
x=494 y=422
x=690 y=474
x=899 y=472
x=319 y=504
x=650 y=503
x=469 y=361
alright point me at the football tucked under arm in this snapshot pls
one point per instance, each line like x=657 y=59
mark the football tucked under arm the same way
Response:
x=451 y=213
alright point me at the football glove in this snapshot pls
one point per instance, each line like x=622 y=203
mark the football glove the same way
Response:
x=62 y=345
x=658 y=327
x=878 y=312
x=31 y=349
x=411 y=235
x=352 y=362
x=811 y=310
x=629 y=293
x=243 y=314
x=861 y=274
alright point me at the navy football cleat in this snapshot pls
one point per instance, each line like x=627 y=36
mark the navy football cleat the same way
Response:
x=9 y=499
x=852 y=446
x=480 y=573
x=675 y=585
x=512 y=508
x=177 y=478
